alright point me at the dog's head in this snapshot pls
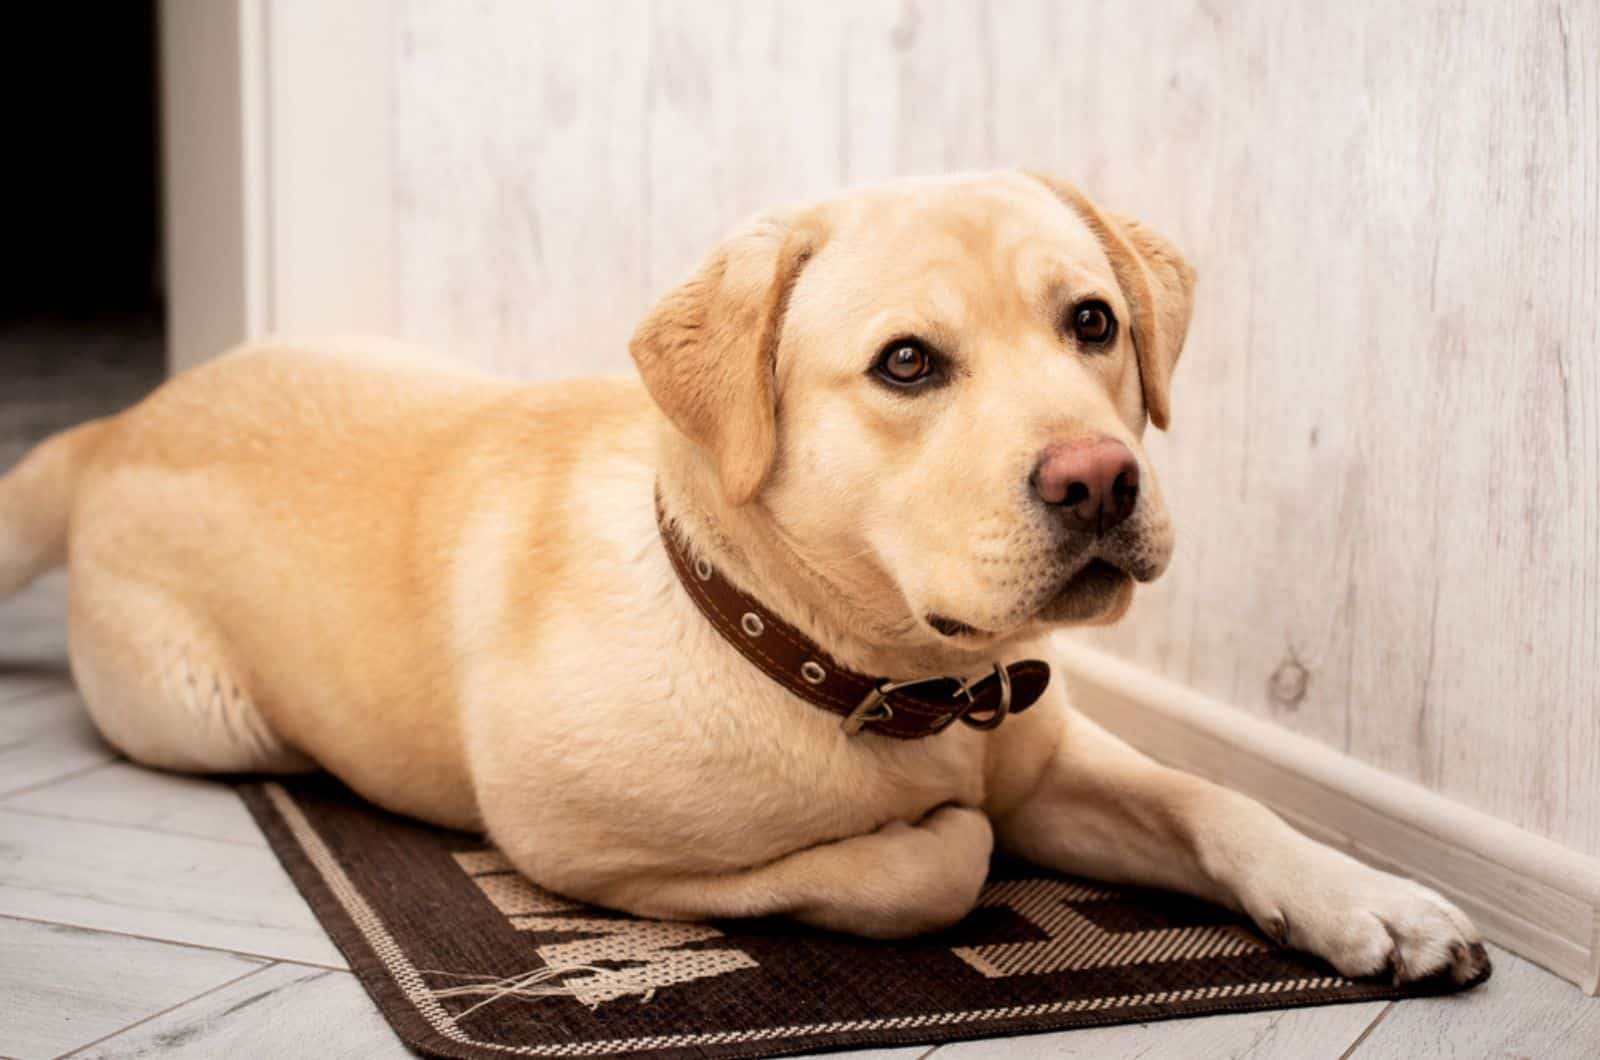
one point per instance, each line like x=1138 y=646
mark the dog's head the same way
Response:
x=934 y=393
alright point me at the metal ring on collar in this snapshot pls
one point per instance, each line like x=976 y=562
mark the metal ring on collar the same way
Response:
x=1001 y=709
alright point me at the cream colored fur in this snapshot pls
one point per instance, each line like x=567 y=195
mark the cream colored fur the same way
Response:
x=449 y=591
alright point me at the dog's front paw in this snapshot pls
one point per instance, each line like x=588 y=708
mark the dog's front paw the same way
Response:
x=1363 y=921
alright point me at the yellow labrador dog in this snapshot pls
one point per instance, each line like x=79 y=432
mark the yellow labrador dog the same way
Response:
x=904 y=425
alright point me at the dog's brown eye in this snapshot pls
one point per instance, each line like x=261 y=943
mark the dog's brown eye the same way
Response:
x=905 y=363
x=1093 y=323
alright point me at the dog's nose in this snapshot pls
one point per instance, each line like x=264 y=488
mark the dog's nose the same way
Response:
x=1093 y=481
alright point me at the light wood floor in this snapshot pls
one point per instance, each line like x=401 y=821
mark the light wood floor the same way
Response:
x=142 y=914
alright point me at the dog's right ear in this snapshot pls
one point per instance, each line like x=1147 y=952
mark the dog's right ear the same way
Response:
x=1158 y=284
x=707 y=350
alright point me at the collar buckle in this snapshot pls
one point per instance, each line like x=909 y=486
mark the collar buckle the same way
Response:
x=874 y=706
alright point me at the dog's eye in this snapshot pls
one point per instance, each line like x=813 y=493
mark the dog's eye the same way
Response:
x=905 y=363
x=1093 y=323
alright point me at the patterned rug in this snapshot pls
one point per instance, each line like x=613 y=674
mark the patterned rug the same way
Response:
x=468 y=959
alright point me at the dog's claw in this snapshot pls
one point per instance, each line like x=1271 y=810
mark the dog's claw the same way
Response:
x=1471 y=965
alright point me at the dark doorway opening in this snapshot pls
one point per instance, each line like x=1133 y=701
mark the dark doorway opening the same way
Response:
x=81 y=321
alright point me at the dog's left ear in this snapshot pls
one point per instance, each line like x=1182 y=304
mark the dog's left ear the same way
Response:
x=1158 y=284
x=707 y=350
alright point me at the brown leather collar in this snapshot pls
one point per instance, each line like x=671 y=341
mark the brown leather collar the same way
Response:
x=906 y=710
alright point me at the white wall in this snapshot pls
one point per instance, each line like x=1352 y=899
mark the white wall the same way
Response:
x=1387 y=460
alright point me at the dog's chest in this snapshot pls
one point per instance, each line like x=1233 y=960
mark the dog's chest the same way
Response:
x=695 y=761
x=756 y=773
x=622 y=721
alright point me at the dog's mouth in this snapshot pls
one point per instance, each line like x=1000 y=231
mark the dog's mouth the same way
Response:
x=1088 y=594
x=949 y=627
x=1097 y=574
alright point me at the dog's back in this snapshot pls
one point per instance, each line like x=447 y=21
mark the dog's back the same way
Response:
x=240 y=536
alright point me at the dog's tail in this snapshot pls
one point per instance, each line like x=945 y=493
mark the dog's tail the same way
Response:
x=36 y=505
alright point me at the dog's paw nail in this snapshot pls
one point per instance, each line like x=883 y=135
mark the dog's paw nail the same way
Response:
x=1470 y=964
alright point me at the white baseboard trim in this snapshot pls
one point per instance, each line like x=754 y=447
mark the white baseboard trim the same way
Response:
x=1536 y=898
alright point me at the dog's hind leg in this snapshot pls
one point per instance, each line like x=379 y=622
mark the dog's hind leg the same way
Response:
x=160 y=683
x=903 y=879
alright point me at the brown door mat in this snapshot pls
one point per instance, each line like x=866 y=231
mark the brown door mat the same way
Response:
x=468 y=959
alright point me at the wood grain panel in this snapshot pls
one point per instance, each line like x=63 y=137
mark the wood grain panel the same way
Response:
x=1518 y=1015
x=171 y=888
x=1387 y=438
x=1385 y=461
x=63 y=987
x=282 y=1010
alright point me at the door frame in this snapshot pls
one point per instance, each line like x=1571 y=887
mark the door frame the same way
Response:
x=278 y=170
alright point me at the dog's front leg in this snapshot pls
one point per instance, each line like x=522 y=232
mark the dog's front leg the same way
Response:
x=903 y=879
x=1106 y=811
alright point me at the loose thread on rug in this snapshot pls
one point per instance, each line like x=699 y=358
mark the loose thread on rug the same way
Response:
x=541 y=982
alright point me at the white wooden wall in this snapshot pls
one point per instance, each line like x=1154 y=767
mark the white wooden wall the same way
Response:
x=1386 y=459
